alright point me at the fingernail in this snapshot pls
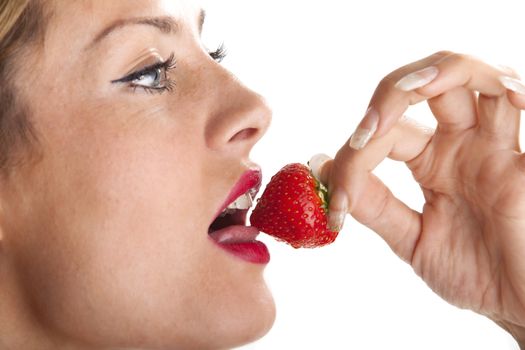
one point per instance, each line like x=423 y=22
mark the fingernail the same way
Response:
x=365 y=130
x=513 y=84
x=417 y=79
x=316 y=164
x=507 y=70
x=337 y=210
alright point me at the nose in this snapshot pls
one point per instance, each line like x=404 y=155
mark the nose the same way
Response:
x=237 y=118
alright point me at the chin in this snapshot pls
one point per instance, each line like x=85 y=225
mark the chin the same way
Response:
x=240 y=320
x=225 y=322
x=254 y=323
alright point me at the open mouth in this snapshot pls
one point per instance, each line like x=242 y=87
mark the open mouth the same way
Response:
x=235 y=213
x=235 y=217
x=229 y=230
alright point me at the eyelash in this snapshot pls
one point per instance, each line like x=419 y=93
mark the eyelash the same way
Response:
x=219 y=54
x=165 y=67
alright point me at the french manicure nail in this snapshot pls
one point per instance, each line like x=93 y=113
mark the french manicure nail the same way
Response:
x=365 y=130
x=513 y=84
x=417 y=79
x=507 y=70
x=336 y=221
x=316 y=164
x=338 y=210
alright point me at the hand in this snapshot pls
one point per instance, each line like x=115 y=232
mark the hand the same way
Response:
x=468 y=243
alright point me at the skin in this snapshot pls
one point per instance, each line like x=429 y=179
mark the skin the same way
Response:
x=467 y=243
x=104 y=240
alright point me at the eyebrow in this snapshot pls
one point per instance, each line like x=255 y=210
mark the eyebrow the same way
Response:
x=165 y=24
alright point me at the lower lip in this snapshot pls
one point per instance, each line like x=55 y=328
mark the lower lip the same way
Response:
x=254 y=252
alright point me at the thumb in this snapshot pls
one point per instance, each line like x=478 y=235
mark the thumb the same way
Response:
x=321 y=166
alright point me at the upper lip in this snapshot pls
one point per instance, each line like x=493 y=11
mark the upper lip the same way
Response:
x=250 y=179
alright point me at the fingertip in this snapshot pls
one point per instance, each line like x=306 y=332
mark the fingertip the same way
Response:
x=415 y=80
x=507 y=70
x=512 y=84
x=386 y=122
x=515 y=90
x=516 y=99
x=319 y=164
x=337 y=210
x=366 y=129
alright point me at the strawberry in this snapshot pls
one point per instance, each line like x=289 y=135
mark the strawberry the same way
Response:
x=293 y=209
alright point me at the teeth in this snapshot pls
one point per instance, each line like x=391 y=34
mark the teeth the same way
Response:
x=243 y=202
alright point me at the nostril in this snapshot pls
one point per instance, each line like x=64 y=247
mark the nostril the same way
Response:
x=244 y=134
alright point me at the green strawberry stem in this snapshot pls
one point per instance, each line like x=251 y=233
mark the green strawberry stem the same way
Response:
x=322 y=192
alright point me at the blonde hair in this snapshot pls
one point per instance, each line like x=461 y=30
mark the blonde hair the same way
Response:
x=10 y=12
x=22 y=23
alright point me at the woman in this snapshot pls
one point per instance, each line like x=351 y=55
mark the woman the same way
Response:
x=117 y=167
x=123 y=141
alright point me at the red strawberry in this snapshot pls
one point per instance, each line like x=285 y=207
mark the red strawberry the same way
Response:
x=293 y=209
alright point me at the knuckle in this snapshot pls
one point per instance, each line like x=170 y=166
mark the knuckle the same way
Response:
x=443 y=53
x=461 y=59
x=388 y=81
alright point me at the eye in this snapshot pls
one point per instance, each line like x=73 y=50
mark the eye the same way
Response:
x=153 y=78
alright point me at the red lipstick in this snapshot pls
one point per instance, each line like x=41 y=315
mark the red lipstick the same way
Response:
x=228 y=229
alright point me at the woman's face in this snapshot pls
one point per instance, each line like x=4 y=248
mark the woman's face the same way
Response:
x=109 y=230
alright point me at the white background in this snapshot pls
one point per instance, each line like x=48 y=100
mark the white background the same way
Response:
x=317 y=63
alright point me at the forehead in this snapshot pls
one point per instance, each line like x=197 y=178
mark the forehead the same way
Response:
x=177 y=8
x=180 y=8
x=93 y=13
x=75 y=24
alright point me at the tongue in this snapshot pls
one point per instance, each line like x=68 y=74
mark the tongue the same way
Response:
x=235 y=234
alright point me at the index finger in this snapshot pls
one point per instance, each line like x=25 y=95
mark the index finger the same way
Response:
x=354 y=189
x=429 y=78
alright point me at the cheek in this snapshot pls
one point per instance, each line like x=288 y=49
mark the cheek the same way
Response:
x=124 y=237
x=123 y=234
